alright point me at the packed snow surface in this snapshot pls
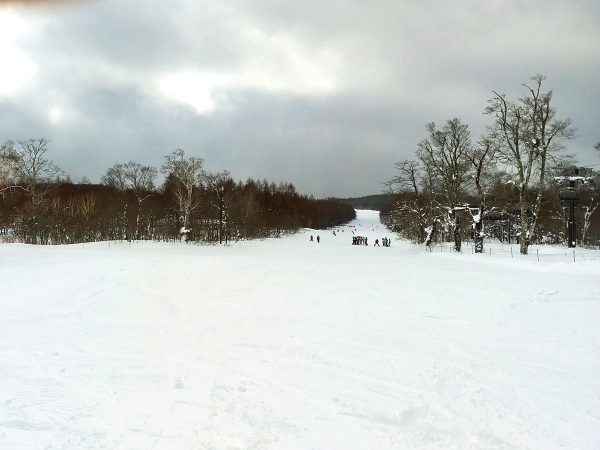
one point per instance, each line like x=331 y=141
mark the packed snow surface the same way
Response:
x=291 y=344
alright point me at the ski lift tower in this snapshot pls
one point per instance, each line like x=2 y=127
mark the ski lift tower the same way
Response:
x=568 y=197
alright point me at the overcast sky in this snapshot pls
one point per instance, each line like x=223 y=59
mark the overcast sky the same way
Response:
x=324 y=94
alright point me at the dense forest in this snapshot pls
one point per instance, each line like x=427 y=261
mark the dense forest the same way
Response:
x=40 y=205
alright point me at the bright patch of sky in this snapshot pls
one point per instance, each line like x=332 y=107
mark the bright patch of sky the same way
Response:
x=279 y=64
x=17 y=67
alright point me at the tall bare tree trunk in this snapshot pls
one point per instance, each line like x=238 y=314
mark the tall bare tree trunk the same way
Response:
x=456 y=231
x=478 y=232
x=137 y=221
x=525 y=236
x=430 y=234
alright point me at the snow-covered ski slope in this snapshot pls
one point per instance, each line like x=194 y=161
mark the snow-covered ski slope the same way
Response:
x=288 y=344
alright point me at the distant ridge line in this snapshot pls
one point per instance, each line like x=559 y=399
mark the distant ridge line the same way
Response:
x=375 y=202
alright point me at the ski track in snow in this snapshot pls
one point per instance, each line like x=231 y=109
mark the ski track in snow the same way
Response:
x=290 y=344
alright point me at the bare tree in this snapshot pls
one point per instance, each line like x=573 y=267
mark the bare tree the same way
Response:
x=186 y=173
x=443 y=154
x=33 y=169
x=528 y=135
x=589 y=203
x=141 y=182
x=37 y=175
x=218 y=182
x=115 y=178
x=407 y=182
x=135 y=177
x=481 y=157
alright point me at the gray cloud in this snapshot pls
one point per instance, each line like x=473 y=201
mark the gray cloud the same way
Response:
x=326 y=95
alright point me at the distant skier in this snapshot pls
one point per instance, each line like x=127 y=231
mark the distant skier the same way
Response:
x=366 y=243
x=311 y=238
x=318 y=239
x=376 y=243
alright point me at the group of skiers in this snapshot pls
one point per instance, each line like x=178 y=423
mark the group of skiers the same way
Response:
x=384 y=241
x=362 y=240
x=359 y=240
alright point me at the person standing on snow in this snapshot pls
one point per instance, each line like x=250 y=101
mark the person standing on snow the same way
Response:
x=376 y=243
x=311 y=239
x=318 y=239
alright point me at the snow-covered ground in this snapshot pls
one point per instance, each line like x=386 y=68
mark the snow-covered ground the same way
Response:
x=291 y=344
